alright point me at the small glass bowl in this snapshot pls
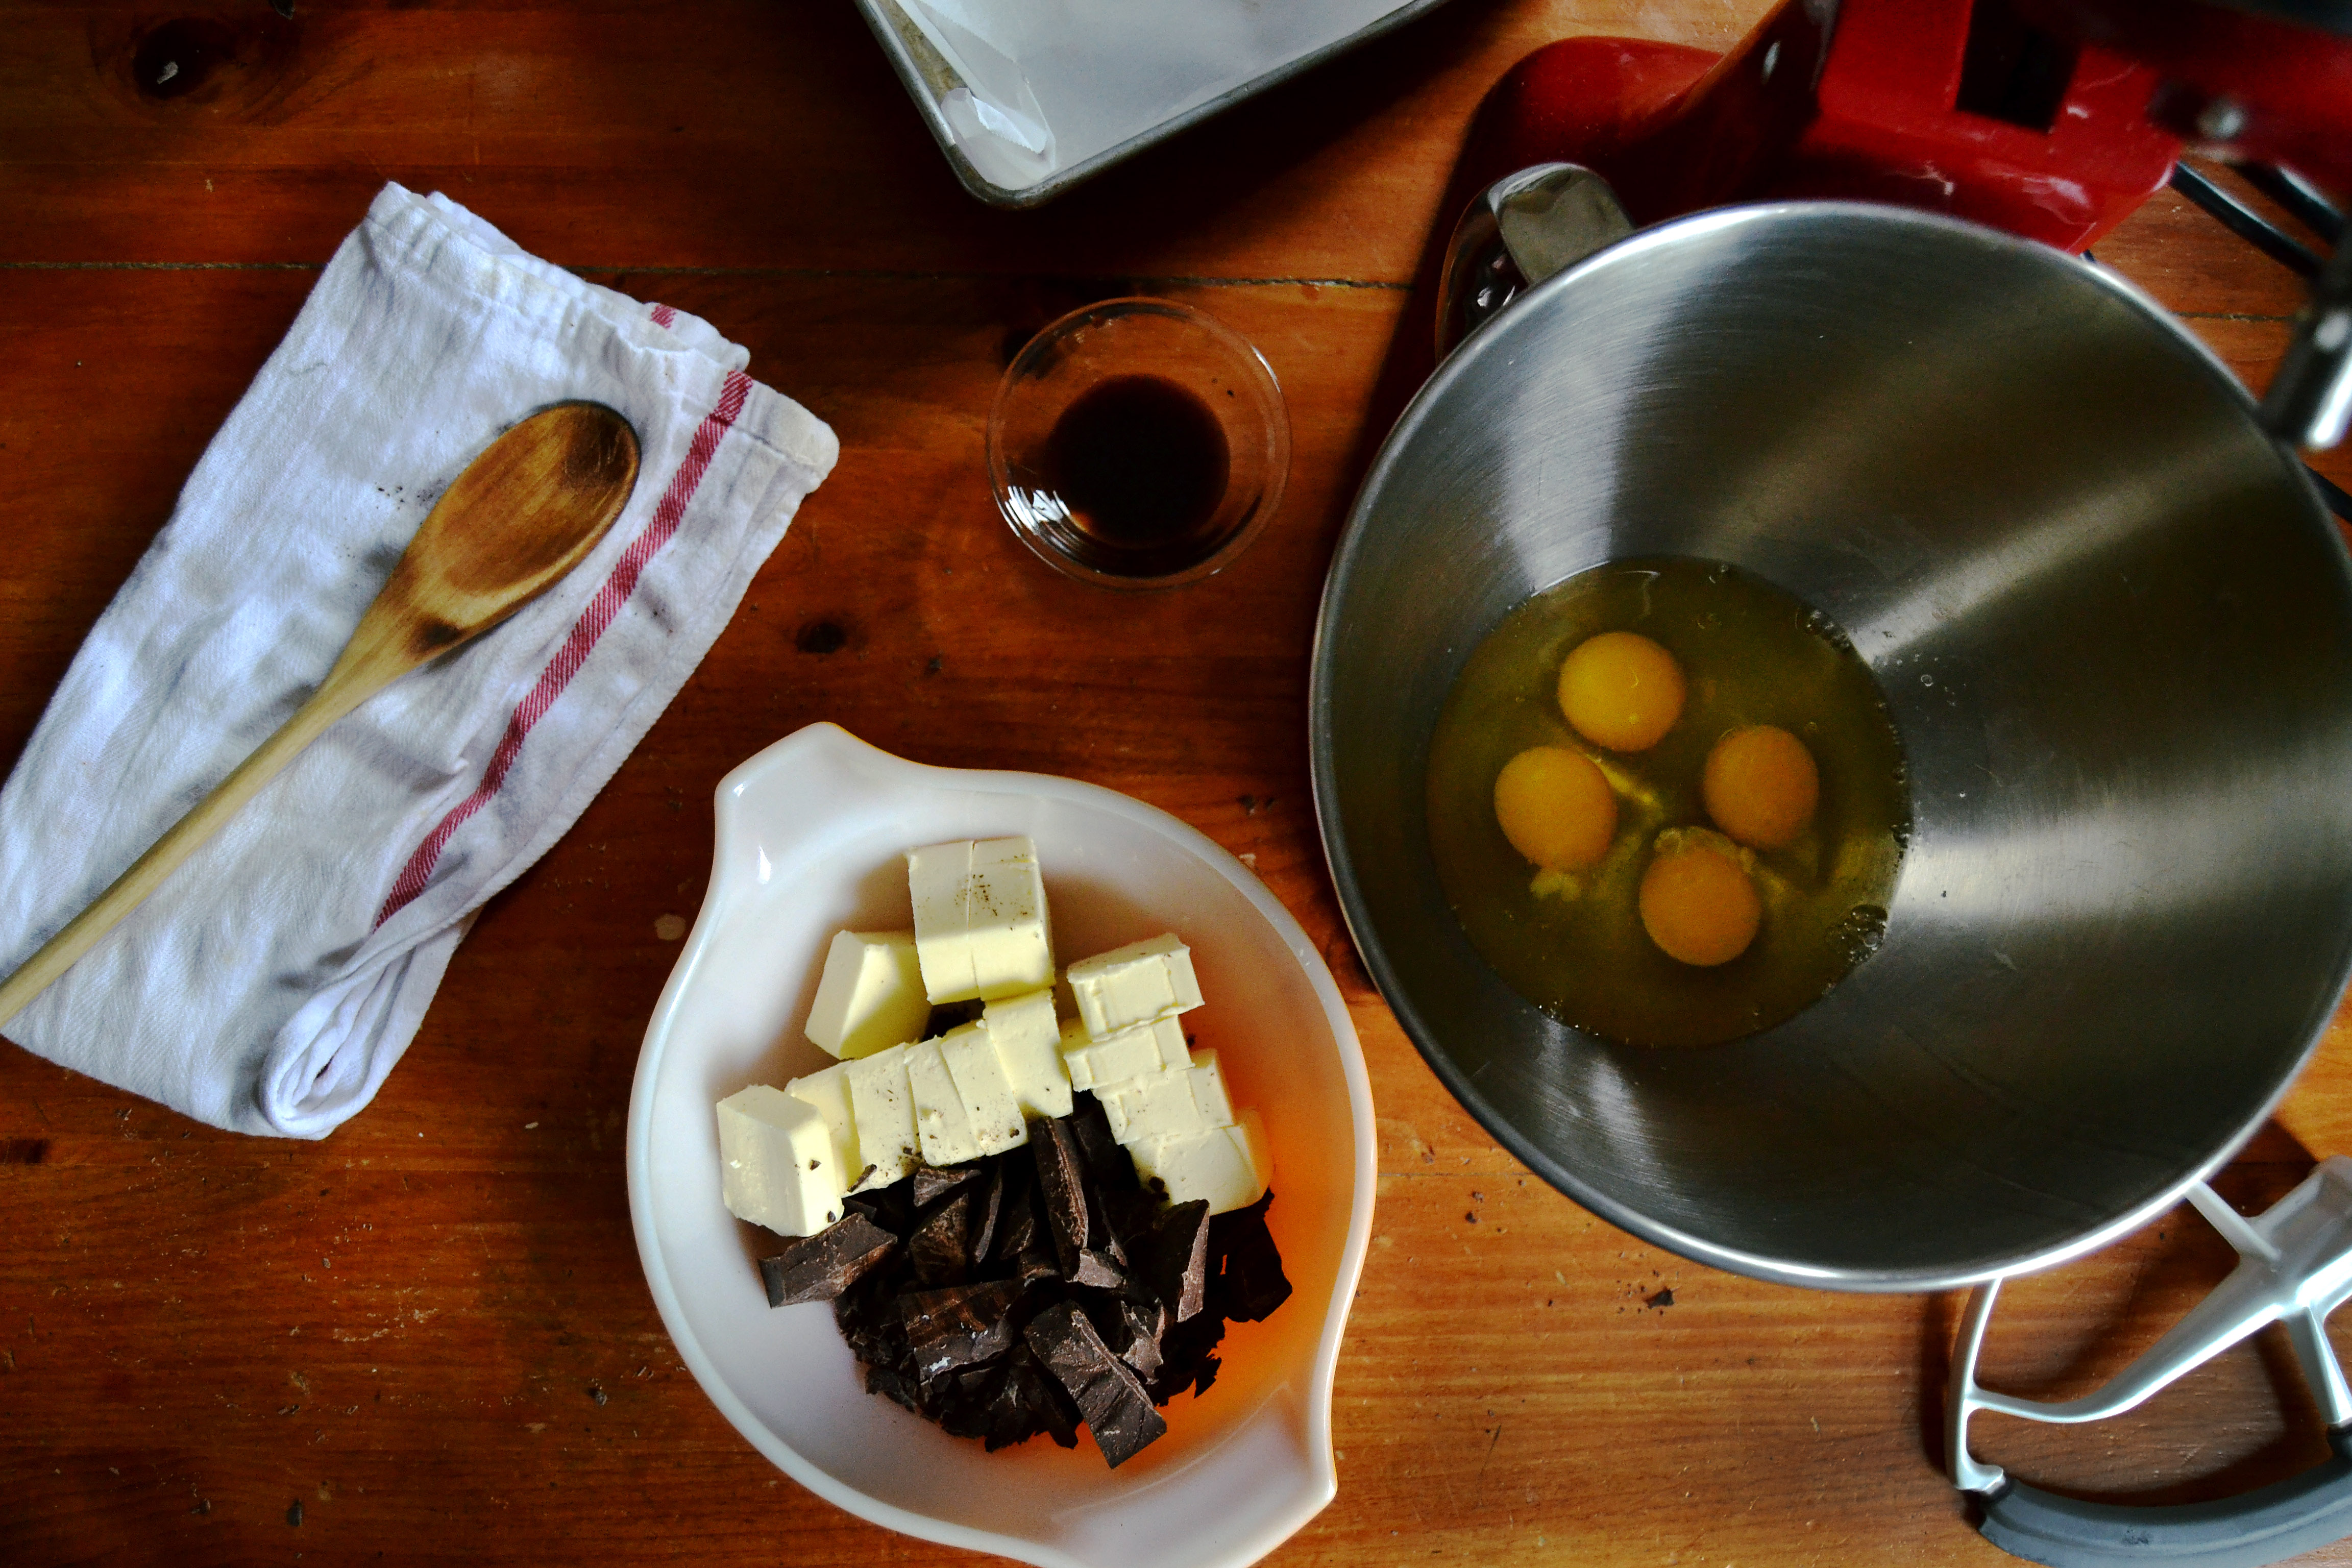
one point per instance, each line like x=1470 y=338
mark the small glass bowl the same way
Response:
x=1118 y=339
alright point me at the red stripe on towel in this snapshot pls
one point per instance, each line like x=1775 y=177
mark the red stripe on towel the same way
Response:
x=591 y=626
x=663 y=316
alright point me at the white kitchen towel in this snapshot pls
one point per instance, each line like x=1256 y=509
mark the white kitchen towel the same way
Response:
x=273 y=981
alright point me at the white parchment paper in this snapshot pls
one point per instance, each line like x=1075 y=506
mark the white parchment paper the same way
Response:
x=1052 y=83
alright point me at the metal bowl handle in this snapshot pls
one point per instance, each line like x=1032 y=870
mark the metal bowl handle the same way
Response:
x=2295 y=1267
x=1519 y=231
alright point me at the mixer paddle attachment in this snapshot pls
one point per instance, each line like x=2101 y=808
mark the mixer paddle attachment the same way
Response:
x=2295 y=1267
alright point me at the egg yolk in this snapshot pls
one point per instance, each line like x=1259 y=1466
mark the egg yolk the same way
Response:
x=1620 y=691
x=1697 y=904
x=1761 y=786
x=1556 y=807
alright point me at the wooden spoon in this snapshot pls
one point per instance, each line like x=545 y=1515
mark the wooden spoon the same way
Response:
x=521 y=515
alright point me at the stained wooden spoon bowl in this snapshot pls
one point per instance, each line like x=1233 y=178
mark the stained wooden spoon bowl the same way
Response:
x=521 y=515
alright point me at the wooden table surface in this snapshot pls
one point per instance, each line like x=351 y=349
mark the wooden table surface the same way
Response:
x=427 y=1336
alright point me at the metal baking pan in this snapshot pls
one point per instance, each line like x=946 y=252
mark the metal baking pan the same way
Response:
x=928 y=76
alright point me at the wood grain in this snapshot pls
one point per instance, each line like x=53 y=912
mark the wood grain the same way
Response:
x=430 y=1330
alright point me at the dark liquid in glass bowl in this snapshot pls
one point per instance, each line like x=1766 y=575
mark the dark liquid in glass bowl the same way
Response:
x=1140 y=463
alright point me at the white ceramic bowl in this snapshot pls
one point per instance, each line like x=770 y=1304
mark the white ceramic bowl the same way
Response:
x=810 y=837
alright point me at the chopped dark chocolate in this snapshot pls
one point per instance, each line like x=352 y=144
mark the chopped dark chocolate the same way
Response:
x=1020 y=1294
x=941 y=1248
x=1057 y=1410
x=821 y=1267
x=1188 y=1356
x=1131 y=1212
x=1177 y=1263
x=1118 y=1208
x=891 y=1207
x=958 y=1326
x=1012 y=1414
x=1102 y=1309
x=1117 y=1411
x=987 y=1210
x=1107 y=1162
x=886 y=1381
x=1250 y=1281
x=1145 y=1327
x=1096 y=1269
x=931 y=1182
x=964 y=1412
x=1017 y=1227
x=1060 y=1186
x=1025 y=1401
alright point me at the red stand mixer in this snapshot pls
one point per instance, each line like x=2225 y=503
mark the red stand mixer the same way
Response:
x=2051 y=119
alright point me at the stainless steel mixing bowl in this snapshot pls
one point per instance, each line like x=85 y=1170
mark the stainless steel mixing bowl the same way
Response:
x=2115 y=628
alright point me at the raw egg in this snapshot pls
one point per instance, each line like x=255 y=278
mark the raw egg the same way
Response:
x=1697 y=904
x=1730 y=938
x=1556 y=808
x=1620 y=691
x=1761 y=786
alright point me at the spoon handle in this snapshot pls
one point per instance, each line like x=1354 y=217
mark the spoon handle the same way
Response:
x=524 y=512
x=354 y=679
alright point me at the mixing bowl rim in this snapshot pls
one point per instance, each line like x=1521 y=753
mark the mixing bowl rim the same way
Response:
x=744 y=804
x=1495 y=338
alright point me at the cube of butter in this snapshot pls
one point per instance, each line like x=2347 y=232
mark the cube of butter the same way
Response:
x=871 y=996
x=776 y=1161
x=980 y=923
x=964 y=1107
x=828 y=1091
x=1128 y=1053
x=883 y=1109
x=1134 y=984
x=1229 y=1166
x=1028 y=1037
x=1176 y=1102
x=988 y=1101
x=942 y=1125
